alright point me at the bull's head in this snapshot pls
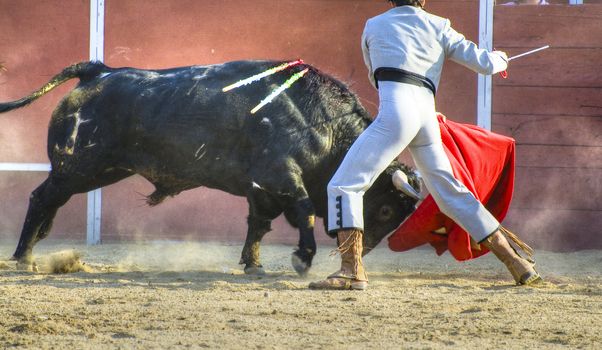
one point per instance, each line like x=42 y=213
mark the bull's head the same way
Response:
x=386 y=205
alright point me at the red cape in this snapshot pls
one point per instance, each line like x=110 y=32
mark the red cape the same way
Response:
x=484 y=162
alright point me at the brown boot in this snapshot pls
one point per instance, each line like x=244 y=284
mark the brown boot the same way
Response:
x=352 y=274
x=521 y=269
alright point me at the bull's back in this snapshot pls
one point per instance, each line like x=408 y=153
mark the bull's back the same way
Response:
x=178 y=123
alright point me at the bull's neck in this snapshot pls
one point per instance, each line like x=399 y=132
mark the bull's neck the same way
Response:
x=355 y=123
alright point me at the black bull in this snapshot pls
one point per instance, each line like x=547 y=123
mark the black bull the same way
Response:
x=177 y=129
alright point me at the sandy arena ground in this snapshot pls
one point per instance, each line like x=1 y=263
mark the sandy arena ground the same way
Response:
x=161 y=295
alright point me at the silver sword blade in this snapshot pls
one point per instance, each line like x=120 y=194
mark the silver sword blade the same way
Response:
x=529 y=52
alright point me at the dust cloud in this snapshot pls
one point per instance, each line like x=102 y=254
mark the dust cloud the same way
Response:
x=66 y=261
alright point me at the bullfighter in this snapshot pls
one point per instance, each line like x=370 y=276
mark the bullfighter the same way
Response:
x=404 y=50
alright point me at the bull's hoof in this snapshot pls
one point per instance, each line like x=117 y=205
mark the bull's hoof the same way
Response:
x=27 y=266
x=254 y=270
x=301 y=266
x=25 y=263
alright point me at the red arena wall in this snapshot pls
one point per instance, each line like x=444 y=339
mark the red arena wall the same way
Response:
x=550 y=103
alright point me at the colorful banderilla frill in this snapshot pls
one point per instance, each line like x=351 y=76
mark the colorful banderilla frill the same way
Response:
x=287 y=84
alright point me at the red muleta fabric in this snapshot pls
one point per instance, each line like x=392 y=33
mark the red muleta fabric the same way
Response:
x=484 y=162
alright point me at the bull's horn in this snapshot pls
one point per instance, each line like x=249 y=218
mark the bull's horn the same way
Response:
x=400 y=181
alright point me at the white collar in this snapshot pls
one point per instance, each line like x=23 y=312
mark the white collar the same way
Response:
x=406 y=9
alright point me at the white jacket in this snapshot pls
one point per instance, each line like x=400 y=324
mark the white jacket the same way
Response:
x=409 y=38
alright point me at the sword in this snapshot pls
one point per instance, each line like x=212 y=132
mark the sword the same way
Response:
x=529 y=52
x=504 y=74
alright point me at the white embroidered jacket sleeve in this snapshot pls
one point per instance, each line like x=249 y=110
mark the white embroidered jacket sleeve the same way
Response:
x=465 y=52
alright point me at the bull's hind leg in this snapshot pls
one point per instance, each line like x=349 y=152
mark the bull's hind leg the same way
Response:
x=45 y=201
x=43 y=205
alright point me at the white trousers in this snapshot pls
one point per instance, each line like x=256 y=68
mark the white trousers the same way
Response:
x=406 y=118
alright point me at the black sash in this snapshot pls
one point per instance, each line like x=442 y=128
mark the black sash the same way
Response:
x=402 y=76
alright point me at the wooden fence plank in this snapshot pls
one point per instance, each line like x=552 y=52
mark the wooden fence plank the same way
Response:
x=547 y=101
x=559 y=26
x=558 y=230
x=559 y=189
x=546 y=156
x=555 y=67
x=550 y=129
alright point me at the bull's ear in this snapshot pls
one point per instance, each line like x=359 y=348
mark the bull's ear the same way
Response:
x=385 y=213
x=401 y=182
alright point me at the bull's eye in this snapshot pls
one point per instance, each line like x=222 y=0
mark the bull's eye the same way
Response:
x=385 y=213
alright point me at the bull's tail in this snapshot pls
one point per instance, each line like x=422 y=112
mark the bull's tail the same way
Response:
x=83 y=71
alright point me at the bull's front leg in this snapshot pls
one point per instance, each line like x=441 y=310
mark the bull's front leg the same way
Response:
x=257 y=228
x=303 y=256
x=263 y=208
